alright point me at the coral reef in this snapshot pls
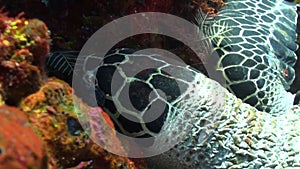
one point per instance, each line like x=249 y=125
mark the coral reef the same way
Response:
x=221 y=131
x=231 y=133
x=20 y=147
x=24 y=40
x=18 y=80
x=212 y=7
x=52 y=113
x=24 y=46
x=68 y=17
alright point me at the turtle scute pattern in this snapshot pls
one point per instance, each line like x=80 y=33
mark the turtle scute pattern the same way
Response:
x=157 y=87
x=257 y=52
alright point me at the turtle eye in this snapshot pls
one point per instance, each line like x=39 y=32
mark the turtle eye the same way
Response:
x=74 y=127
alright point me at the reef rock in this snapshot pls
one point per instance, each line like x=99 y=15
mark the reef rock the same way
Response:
x=20 y=147
x=24 y=46
x=52 y=113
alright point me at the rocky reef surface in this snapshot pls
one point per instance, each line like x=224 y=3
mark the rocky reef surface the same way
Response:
x=39 y=128
x=20 y=146
x=225 y=133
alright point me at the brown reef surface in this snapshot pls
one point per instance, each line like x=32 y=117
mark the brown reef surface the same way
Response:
x=24 y=46
x=53 y=114
x=20 y=146
x=46 y=133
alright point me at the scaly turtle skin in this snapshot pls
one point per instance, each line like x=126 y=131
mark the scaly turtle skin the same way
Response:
x=258 y=50
x=141 y=86
x=213 y=128
x=242 y=137
x=257 y=55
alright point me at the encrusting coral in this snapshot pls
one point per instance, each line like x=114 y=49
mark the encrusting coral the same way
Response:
x=20 y=75
x=24 y=46
x=20 y=147
x=52 y=113
x=218 y=129
x=48 y=105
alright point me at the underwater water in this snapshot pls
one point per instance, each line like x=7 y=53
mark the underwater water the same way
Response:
x=152 y=84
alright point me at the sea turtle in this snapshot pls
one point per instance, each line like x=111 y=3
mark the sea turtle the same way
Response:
x=257 y=55
x=258 y=52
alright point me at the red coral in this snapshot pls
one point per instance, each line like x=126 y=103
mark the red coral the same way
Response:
x=20 y=147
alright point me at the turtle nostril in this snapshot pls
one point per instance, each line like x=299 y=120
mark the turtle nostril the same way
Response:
x=74 y=127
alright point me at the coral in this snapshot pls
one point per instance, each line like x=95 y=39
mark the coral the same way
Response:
x=222 y=131
x=212 y=7
x=24 y=46
x=24 y=38
x=52 y=113
x=38 y=32
x=18 y=80
x=20 y=147
x=83 y=18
